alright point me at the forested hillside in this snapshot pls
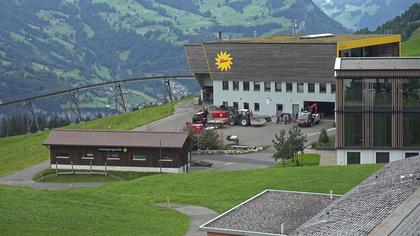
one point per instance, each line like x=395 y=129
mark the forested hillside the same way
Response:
x=357 y=14
x=53 y=44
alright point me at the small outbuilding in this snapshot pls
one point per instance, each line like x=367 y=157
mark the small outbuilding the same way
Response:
x=119 y=150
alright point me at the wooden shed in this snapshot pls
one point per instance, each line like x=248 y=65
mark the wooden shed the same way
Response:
x=119 y=150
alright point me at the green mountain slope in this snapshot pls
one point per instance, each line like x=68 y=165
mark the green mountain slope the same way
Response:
x=54 y=44
x=356 y=14
x=411 y=47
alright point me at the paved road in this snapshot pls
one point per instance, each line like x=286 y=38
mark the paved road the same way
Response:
x=24 y=178
x=198 y=214
x=184 y=111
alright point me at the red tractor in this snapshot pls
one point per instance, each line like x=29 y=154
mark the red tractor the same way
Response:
x=309 y=116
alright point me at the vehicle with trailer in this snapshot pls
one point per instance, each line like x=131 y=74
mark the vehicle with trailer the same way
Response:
x=309 y=116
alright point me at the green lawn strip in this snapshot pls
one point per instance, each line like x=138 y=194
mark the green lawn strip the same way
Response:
x=19 y=152
x=411 y=47
x=222 y=190
x=128 y=208
x=66 y=176
x=304 y=160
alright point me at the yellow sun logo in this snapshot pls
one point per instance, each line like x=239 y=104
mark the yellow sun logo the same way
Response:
x=223 y=61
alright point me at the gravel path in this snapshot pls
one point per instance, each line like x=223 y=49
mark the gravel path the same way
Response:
x=24 y=178
x=199 y=215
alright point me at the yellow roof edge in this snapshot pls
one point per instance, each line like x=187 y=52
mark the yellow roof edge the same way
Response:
x=357 y=43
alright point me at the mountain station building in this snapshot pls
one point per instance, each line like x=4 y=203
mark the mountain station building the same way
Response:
x=279 y=74
x=378 y=109
x=119 y=150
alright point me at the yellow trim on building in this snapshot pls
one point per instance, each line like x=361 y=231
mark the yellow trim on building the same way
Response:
x=345 y=45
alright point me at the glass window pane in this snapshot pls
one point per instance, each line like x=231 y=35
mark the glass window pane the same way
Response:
x=289 y=87
x=382 y=157
x=381 y=93
x=256 y=107
x=353 y=158
x=267 y=86
x=225 y=85
x=411 y=130
x=277 y=86
x=382 y=130
x=322 y=88
x=311 y=88
x=352 y=129
x=235 y=105
x=353 y=92
x=246 y=85
x=333 y=88
x=411 y=93
x=235 y=85
x=300 y=87
x=246 y=105
x=256 y=86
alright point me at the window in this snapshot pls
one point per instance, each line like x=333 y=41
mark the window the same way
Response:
x=381 y=93
x=267 y=86
x=62 y=155
x=300 y=87
x=256 y=107
x=411 y=130
x=277 y=86
x=246 y=105
x=353 y=130
x=235 y=85
x=322 y=88
x=112 y=157
x=225 y=85
x=88 y=156
x=246 y=85
x=411 y=93
x=382 y=157
x=382 y=130
x=225 y=104
x=256 y=86
x=289 y=87
x=235 y=105
x=411 y=154
x=333 y=88
x=353 y=92
x=311 y=88
x=139 y=157
x=353 y=158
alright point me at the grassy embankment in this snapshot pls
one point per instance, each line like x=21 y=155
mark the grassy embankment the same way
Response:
x=127 y=208
x=411 y=47
x=23 y=151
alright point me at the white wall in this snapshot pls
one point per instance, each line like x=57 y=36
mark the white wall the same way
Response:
x=369 y=156
x=283 y=97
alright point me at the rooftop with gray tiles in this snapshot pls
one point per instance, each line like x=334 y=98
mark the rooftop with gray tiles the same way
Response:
x=266 y=212
x=367 y=205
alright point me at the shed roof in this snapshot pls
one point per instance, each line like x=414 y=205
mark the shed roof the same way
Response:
x=297 y=39
x=116 y=138
x=367 y=205
x=264 y=213
x=377 y=63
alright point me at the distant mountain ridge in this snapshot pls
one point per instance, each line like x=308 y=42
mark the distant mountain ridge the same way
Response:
x=60 y=43
x=357 y=14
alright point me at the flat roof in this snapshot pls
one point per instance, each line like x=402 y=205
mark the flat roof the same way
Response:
x=61 y=137
x=264 y=213
x=377 y=63
x=367 y=205
x=297 y=39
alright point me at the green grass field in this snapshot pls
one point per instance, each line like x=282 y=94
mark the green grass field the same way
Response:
x=127 y=208
x=23 y=151
x=411 y=47
x=304 y=160
x=65 y=176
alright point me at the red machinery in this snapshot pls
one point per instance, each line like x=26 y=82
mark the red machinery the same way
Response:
x=309 y=116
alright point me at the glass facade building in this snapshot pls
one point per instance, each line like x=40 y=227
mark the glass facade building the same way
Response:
x=377 y=109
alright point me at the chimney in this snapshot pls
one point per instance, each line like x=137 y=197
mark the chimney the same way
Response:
x=220 y=35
